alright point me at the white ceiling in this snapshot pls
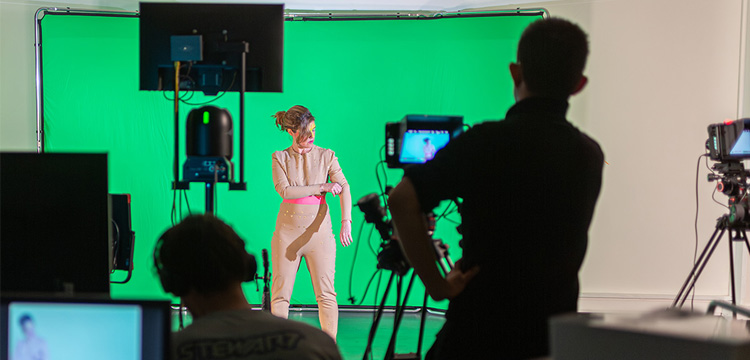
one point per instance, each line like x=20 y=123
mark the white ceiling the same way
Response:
x=449 y=5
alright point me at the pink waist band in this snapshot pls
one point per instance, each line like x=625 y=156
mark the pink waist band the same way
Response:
x=307 y=200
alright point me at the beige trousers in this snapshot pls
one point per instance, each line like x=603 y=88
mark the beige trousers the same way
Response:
x=305 y=231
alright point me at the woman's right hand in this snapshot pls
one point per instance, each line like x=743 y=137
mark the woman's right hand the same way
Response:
x=333 y=188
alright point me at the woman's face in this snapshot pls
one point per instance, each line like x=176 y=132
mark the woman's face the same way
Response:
x=305 y=143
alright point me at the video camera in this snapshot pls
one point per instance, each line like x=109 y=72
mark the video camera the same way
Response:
x=729 y=143
x=391 y=257
x=416 y=138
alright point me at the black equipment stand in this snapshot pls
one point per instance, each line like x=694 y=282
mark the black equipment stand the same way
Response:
x=210 y=197
x=722 y=225
x=242 y=48
x=265 y=303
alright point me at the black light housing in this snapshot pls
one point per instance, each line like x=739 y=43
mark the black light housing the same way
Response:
x=209 y=132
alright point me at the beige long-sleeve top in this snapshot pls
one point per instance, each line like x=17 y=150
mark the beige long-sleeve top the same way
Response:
x=298 y=175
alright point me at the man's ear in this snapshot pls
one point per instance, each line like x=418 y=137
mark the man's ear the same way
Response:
x=581 y=84
x=516 y=73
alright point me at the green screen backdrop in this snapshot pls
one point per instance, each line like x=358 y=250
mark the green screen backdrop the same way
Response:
x=354 y=75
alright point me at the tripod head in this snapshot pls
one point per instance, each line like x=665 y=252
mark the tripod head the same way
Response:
x=391 y=257
x=732 y=181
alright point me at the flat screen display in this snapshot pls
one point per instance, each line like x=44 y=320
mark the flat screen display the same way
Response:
x=223 y=28
x=84 y=329
x=55 y=220
x=420 y=146
x=741 y=147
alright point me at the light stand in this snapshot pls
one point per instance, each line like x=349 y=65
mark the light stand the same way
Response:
x=215 y=40
x=196 y=170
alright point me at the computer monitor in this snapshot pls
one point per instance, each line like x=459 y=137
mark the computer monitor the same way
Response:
x=209 y=33
x=75 y=328
x=55 y=223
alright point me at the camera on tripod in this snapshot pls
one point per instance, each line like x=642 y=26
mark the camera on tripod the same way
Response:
x=391 y=257
x=729 y=143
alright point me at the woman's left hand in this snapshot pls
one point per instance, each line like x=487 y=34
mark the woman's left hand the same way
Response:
x=346 y=232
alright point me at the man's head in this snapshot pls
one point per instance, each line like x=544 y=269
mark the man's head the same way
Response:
x=27 y=324
x=202 y=254
x=551 y=58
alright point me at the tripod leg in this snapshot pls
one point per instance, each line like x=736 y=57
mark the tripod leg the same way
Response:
x=398 y=317
x=689 y=283
x=422 y=323
x=744 y=239
x=731 y=271
x=731 y=268
x=376 y=321
x=702 y=266
x=743 y=236
x=391 y=348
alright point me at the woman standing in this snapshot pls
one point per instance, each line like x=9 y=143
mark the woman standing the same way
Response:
x=303 y=227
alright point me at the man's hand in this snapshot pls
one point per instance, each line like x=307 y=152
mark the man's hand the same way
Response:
x=412 y=231
x=456 y=281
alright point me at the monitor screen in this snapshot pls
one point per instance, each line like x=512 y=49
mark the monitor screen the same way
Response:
x=55 y=223
x=420 y=146
x=741 y=147
x=221 y=27
x=84 y=329
x=417 y=138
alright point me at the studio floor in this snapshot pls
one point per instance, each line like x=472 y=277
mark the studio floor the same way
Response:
x=355 y=325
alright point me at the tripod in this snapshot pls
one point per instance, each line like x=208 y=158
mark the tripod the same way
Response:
x=390 y=353
x=723 y=224
x=446 y=264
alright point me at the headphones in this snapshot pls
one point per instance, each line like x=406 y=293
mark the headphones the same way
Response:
x=178 y=281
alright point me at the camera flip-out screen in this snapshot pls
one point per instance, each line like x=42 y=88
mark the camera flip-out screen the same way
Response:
x=419 y=146
x=416 y=138
x=729 y=140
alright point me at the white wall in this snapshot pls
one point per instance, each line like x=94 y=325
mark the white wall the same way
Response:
x=660 y=71
x=17 y=116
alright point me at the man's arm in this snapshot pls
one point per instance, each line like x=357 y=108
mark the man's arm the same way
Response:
x=412 y=233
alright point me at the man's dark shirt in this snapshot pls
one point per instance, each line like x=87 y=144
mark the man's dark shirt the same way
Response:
x=529 y=184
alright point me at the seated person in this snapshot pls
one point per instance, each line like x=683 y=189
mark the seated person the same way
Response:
x=204 y=262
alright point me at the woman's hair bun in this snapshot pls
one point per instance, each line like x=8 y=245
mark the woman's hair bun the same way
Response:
x=279 y=119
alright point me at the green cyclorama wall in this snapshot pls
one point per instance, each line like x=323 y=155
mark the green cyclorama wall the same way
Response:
x=353 y=75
